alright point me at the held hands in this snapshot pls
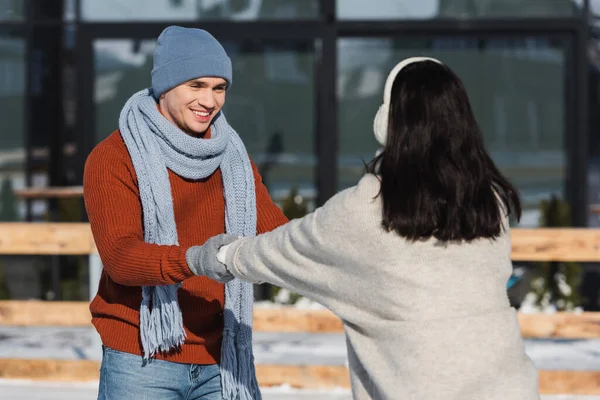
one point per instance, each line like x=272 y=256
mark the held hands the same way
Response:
x=202 y=260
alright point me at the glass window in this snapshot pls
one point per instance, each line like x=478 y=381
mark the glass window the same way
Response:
x=516 y=88
x=48 y=9
x=12 y=101
x=12 y=10
x=270 y=103
x=594 y=11
x=192 y=10
x=594 y=127
x=429 y=9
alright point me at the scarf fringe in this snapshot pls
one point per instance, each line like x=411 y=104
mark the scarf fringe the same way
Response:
x=146 y=325
x=249 y=389
x=229 y=366
x=162 y=327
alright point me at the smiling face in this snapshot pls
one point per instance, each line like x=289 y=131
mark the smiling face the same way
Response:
x=192 y=105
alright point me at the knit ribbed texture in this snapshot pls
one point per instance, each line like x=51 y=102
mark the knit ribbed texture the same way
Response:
x=155 y=144
x=423 y=320
x=114 y=210
x=183 y=54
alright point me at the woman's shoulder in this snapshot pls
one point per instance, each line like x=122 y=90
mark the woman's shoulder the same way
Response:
x=366 y=189
x=369 y=183
x=355 y=201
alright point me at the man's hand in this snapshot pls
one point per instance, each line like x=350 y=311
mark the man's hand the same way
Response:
x=203 y=261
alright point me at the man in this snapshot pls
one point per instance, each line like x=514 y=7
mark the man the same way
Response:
x=172 y=176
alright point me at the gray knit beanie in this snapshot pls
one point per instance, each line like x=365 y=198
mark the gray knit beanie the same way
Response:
x=183 y=54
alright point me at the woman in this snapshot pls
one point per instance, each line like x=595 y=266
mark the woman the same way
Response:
x=414 y=259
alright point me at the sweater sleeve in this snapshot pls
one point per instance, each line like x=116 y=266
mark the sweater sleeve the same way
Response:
x=297 y=256
x=269 y=215
x=115 y=213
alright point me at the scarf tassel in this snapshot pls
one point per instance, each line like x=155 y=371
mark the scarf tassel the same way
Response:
x=247 y=374
x=229 y=366
x=146 y=325
x=162 y=327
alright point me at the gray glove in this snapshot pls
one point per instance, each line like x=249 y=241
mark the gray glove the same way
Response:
x=202 y=260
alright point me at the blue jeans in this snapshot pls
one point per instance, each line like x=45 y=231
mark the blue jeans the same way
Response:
x=123 y=377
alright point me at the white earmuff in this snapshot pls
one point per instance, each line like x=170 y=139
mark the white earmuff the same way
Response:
x=380 y=123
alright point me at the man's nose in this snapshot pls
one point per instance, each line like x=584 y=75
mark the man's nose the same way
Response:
x=206 y=99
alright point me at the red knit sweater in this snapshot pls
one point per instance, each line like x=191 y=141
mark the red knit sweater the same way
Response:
x=115 y=213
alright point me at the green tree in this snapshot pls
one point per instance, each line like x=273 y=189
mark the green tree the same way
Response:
x=74 y=269
x=293 y=206
x=557 y=283
x=8 y=213
x=8 y=202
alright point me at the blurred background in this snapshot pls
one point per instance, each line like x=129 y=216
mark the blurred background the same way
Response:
x=308 y=79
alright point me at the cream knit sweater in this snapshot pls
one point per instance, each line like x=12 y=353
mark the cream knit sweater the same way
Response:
x=423 y=321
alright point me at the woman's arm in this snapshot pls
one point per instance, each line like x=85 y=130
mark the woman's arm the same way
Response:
x=302 y=256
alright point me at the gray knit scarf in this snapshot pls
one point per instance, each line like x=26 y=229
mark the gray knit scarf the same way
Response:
x=155 y=144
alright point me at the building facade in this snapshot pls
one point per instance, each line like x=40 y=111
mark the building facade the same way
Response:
x=308 y=78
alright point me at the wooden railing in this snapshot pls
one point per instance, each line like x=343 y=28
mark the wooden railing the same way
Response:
x=76 y=239
x=543 y=244
x=29 y=313
x=48 y=238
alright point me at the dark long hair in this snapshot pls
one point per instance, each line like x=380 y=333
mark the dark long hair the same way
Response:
x=437 y=180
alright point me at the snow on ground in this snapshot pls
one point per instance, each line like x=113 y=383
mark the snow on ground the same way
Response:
x=574 y=354
x=275 y=348
x=271 y=348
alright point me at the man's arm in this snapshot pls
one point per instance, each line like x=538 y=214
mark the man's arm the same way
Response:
x=115 y=213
